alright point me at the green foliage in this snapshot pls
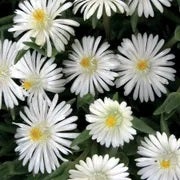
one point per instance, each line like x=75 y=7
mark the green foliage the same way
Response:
x=81 y=138
x=85 y=101
x=177 y=33
x=171 y=103
x=11 y=168
x=142 y=126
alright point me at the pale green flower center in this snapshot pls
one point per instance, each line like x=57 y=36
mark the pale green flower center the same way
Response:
x=89 y=64
x=40 y=19
x=4 y=73
x=39 y=133
x=98 y=176
x=142 y=65
x=113 y=119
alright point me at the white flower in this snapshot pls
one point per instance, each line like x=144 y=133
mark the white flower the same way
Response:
x=42 y=20
x=90 y=7
x=110 y=122
x=9 y=90
x=99 y=168
x=38 y=74
x=45 y=135
x=160 y=157
x=142 y=68
x=90 y=64
x=146 y=6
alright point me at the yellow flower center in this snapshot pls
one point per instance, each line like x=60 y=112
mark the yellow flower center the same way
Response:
x=111 y=121
x=36 y=134
x=39 y=15
x=32 y=82
x=85 y=62
x=40 y=20
x=27 y=85
x=165 y=164
x=89 y=64
x=40 y=133
x=142 y=65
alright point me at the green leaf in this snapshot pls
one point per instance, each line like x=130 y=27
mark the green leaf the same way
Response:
x=5 y=27
x=142 y=126
x=116 y=96
x=13 y=114
x=71 y=101
x=81 y=138
x=177 y=33
x=11 y=168
x=7 y=128
x=164 y=125
x=59 y=172
x=20 y=55
x=93 y=148
x=134 y=22
x=6 y=20
x=35 y=47
x=94 y=21
x=171 y=103
x=84 y=101
x=7 y=149
x=130 y=148
x=113 y=151
x=123 y=158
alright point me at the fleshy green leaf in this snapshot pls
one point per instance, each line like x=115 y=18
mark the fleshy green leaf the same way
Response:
x=6 y=20
x=164 y=125
x=123 y=158
x=11 y=168
x=177 y=33
x=6 y=149
x=116 y=96
x=84 y=101
x=20 y=55
x=7 y=128
x=171 y=103
x=81 y=138
x=134 y=22
x=94 y=21
x=61 y=172
x=35 y=47
x=130 y=148
x=142 y=126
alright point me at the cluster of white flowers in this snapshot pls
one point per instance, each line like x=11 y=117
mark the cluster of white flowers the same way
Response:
x=140 y=65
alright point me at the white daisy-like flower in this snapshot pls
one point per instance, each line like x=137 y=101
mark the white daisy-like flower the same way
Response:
x=160 y=157
x=43 y=21
x=46 y=134
x=91 y=65
x=89 y=7
x=143 y=68
x=9 y=90
x=110 y=122
x=38 y=75
x=146 y=6
x=99 y=168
